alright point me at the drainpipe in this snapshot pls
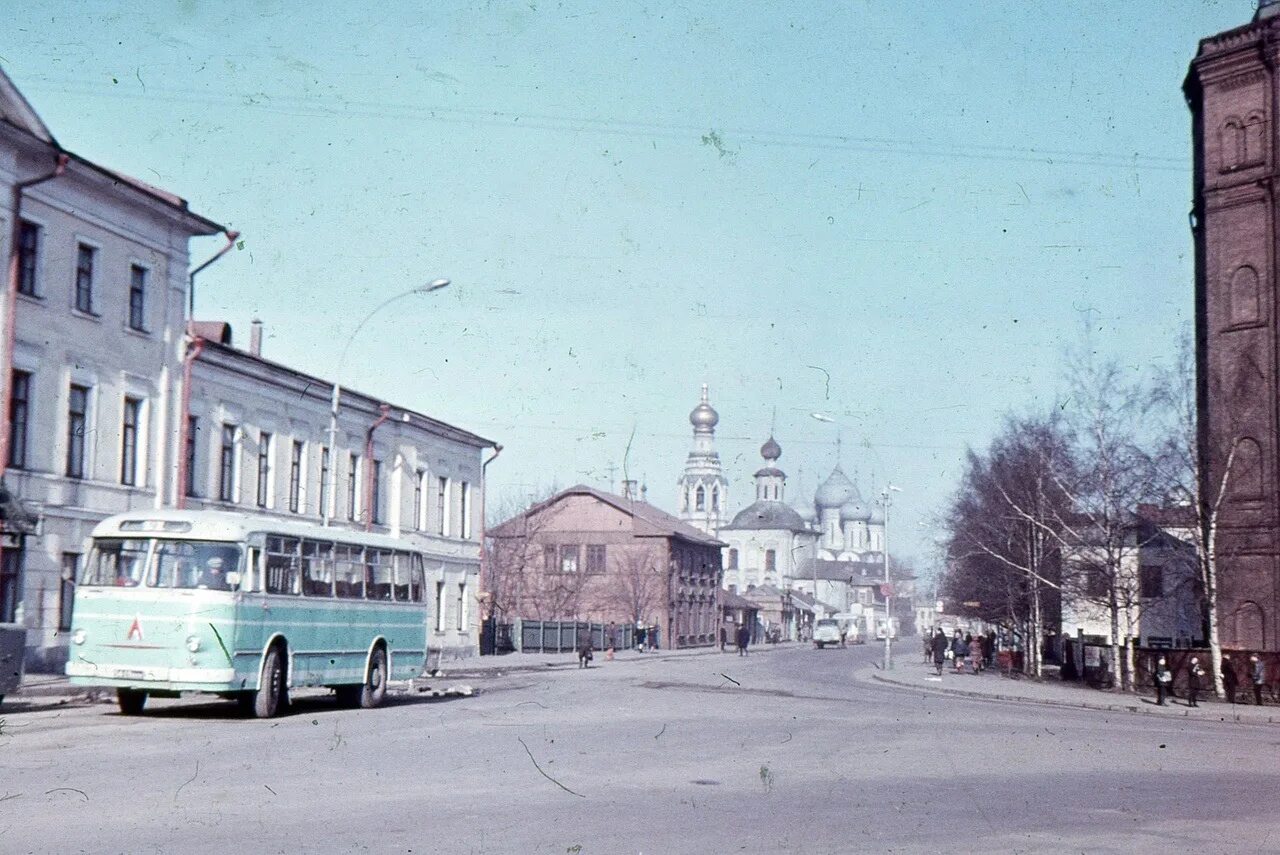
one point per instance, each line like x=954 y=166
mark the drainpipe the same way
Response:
x=194 y=348
x=368 y=464
x=232 y=237
x=484 y=493
x=11 y=301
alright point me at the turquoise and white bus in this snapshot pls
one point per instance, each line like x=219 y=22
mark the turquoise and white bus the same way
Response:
x=245 y=607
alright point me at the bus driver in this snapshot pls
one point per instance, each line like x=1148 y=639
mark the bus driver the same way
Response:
x=212 y=575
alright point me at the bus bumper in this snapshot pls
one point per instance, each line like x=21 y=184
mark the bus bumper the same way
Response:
x=165 y=679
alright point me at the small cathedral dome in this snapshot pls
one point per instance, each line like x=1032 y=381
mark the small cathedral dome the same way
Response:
x=877 y=515
x=704 y=417
x=835 y=491
x=771 y=450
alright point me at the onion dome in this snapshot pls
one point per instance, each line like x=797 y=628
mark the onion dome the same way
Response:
x=877 y=515
x=835 y=491
x=704 y=418
x=771 y=451
x=854 y=510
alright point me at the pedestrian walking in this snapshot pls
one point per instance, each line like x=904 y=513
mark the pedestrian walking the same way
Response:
x=584 y=647
x=1195 y=677
x=939 y=650
x=1163 y=680
x=641 y=632
x=989 y=649
x=1230 y=682
x=928 y=647
x=724 y=637
x=959 y=650
x=1257 y=676
x=743 y=639
x=975 y=654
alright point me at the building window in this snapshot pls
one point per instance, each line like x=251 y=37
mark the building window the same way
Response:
x=67 y=589
x=442 y=505
x=138 y=298
x=324 y=482
x=1095 y=582
x=700 y=499
x=418 y=478
x=28 y=257
x=569 y=558
x=353 y=481
x=770 y=560
x=295 y=477
x=465 y=489
x=129 y=442
x=1151 y=581
x=264 y=468
x=77 y=423
x=84 y=278
x=193 y=426
x=733 y=559
x=227 y=464
x=460 y=608
x=549 y=557
x=439 y=606
x=595 y=558
x=19 y=414
x=375 y=492
x=715 y=499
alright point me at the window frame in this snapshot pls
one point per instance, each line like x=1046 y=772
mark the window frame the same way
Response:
x=77 y=430
x=130 y=432
x=296 y=456
x=29 y=258
x=228 y=463
x=193 y=426
x=19 y=416
x=264 y=496
x=82 y=289
x=137 y=307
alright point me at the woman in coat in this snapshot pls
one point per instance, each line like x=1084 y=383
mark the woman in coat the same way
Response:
x=939 y=649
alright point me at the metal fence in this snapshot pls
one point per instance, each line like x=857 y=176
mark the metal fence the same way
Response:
x=560 y=636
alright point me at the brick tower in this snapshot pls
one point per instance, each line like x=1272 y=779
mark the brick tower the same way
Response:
x=1232 y=89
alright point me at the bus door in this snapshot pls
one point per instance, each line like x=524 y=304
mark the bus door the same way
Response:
x=252 y=617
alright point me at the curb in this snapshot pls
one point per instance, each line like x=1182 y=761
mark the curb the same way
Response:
x=1136 y=709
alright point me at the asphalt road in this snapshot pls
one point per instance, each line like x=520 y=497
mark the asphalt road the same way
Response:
x=781 y=751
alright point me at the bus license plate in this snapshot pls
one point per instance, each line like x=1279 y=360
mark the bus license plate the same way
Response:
x=130 y=674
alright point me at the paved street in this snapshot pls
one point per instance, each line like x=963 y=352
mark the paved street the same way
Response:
x=783 y=751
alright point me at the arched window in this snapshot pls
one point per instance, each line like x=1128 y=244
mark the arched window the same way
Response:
x=700 y=499
x=1231 y=144
x=1250 y=625
x=1255 y=140
x=715 y=499
x=1244 y=297
x=1245 y=477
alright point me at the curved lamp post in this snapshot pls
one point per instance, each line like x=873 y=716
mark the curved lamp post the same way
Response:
x=331 y=500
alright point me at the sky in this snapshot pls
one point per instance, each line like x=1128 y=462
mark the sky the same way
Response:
x=898 y=216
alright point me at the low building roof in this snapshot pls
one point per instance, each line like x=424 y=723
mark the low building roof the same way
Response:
x=767 y=515
x=647 y=521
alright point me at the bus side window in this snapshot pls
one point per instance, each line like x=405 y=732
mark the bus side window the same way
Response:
x=401 y=577
x=415 y=580
x=252 y=578
x=378 y=579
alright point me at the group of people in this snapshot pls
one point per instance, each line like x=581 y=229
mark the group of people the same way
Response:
x=962 y=648
x=1196 y=677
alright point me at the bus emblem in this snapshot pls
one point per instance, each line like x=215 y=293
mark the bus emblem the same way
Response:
x=135 y=630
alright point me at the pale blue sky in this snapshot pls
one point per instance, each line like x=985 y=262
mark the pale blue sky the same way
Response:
x=924 y=202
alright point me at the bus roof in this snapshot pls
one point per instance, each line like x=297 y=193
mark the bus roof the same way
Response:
x=232 y=526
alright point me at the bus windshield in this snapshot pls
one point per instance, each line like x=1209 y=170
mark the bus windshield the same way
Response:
x=127 y=563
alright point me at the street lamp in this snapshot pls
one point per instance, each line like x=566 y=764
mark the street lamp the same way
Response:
x=327 y=512
x=885 y=500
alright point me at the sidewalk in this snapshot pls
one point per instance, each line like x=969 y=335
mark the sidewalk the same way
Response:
x=50 y=686
x=990 y=685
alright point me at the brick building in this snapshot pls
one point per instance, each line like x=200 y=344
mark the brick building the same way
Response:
x=590 y=555
x=1232 y=90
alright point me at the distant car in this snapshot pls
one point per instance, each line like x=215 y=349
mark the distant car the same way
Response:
x=826 y=631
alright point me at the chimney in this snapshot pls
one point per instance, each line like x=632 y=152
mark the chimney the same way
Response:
x=255 y=338
x=629 y=489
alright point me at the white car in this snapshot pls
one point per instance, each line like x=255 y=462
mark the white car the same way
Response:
x=826 y=631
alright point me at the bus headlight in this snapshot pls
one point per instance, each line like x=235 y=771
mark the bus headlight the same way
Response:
x=77 y=637
x=193 y=643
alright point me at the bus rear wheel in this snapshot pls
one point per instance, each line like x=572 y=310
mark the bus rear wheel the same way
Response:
x=270 y=695
x=374 y=690
x=131 y=701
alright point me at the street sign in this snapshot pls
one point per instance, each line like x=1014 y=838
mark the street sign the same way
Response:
x=886 y=589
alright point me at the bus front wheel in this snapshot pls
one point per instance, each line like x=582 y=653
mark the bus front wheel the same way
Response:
x=270 y=695
x=131 y=701
x=374 y=690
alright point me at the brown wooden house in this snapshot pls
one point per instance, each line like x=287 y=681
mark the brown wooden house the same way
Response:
x=584 y=554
